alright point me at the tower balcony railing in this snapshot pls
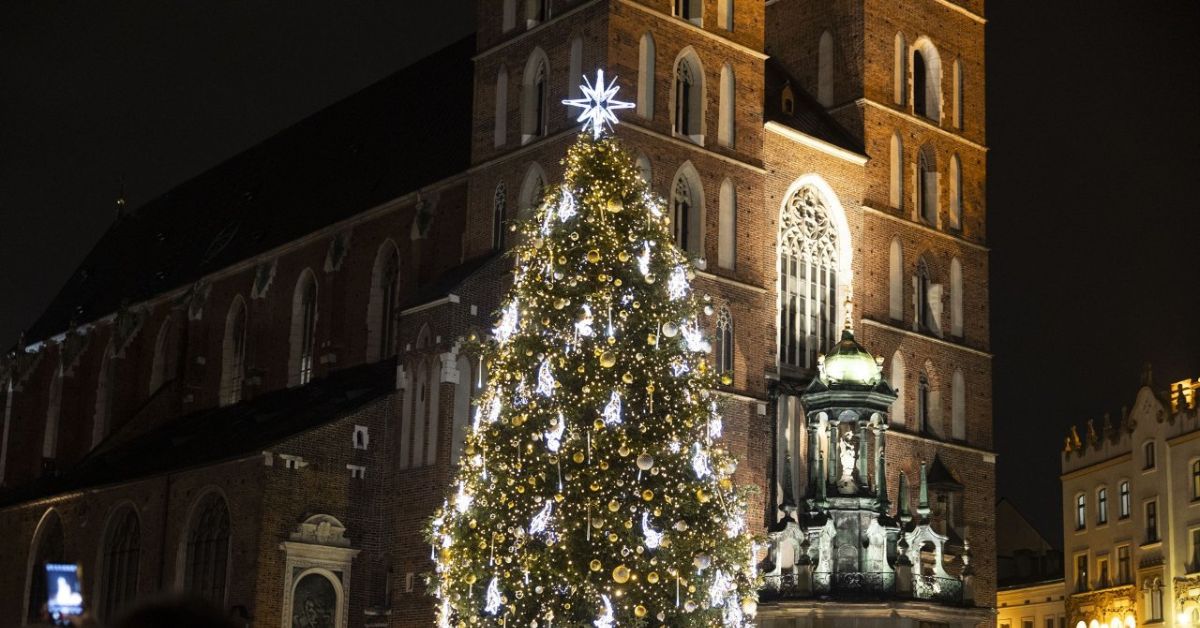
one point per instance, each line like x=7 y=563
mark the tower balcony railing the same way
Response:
x=862 y=586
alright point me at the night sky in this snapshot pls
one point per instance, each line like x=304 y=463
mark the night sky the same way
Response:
x=1093 y=127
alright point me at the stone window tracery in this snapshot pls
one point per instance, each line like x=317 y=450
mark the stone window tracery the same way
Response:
x=122 y=552
x=724 y=352
x=206 y=563
x=808 y=260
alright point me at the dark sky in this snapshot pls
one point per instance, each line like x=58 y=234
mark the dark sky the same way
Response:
x=1092 y=118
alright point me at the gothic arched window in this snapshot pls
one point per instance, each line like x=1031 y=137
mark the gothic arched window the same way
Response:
x=536 y=12
x=206 y=560
x=927 y=80
x=727 y=225
x=808 y=262
x=48 y=548
x=687 y=210
x=900 y=70
x=381 y=313
x=533 y=110
x=233 y=354
x=1080 y=511
x=122 y=552
x=575 y=68
x=304 y=330
x=724 y=348
x=499 y=220
x=689 y=98
x=924 y=286
x=727 y=108
x=165 y=363
x=896 y=280
x=956 y=192
x=896 y=176
x=104 y=385
x=645 y=91
x=927 y=186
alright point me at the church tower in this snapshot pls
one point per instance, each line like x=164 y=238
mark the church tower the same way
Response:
x=808 y=150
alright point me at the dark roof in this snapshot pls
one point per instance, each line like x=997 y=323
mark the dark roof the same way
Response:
x=221 y=433
x=409 y=130
x=809 y=116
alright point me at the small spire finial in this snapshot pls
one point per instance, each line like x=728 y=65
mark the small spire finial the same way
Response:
x=849 y=325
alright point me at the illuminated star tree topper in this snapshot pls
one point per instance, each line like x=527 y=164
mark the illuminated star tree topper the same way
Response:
x=598 y=104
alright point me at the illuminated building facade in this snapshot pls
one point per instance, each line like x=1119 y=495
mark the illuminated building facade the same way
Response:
x=1131 y=514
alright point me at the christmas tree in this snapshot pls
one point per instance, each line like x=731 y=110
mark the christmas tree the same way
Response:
x=593 y=489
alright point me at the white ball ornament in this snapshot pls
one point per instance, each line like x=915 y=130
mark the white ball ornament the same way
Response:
x=645 y=462
x=669 y=330
x=708 y=310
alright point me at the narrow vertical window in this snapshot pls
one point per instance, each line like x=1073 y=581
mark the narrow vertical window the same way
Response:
x=689 y=98
x=681 y=202
x=1148 y=455
x=956 y=298
x=1152 y=521
x=927 y=81
x=923 y=398
x=690 y=10
x=206 y=562
x=433 y=430
x=534 y=94
x=726 y=123
x=1102 y=506
x=122 y=553
x=1123 y=570
x=575 y=68
x=825 y=69
x=900 y=70
x=162 y=369
x=956 y=193
x=303 y=330
x=958 y=406
x=896 y=280
x=725 y=14
x=927 y=185
x=727 y=233
x=1081 y=573
x=233 y=354
x=499 y=219
x=508 y=19
x=1196 y=479
x=896 y=176
x=724 y=342
x=958 y=94
x=500 y=130
x=923 y=285
x=1124 y=497
x=462 y=407
x=382 y=303
x=645 y=92
x=104 y=385
x=5 y=427
x=896 y=379
x=1080 y=511
x=53 y=412
x=536 y=12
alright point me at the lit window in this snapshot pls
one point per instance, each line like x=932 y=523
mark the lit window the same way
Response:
x=808 y=257
x=1124 y=500
x=724 y=341
x=927 y=185
x=689 y=99
x=1152 y=521
x=1102 y=506
x=1123 y=570
x=1080 y=512
x=1196 y=479
x=1148 y=454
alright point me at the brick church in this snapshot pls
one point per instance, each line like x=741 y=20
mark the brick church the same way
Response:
x=255 y=387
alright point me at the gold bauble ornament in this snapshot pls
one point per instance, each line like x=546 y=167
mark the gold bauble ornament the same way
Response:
x=620 y=574
x=611 y=340
x=627 y=377
x=469 y=579
x=577 y=457
x=639 y=610
x=726 y=484
x=613 y=506
x=624 y=450
x=595 y=565
x=615 y=205
x=701 y=496
x=603 y=465
x=593 y=256
x=651 y=339
x=562 y=259
x=608 y=359
x=652 y=577
x=647 y=494
x=594 y=487
x=560 y=303
x=617 y=282
x=598 y=424
x=623 y=256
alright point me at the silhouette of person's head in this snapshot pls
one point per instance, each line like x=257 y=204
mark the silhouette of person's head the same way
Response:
x=175 y=612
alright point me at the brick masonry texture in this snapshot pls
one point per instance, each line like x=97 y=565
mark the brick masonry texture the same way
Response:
x=451 y=224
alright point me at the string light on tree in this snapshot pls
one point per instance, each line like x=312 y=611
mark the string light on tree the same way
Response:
x=595 y=492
